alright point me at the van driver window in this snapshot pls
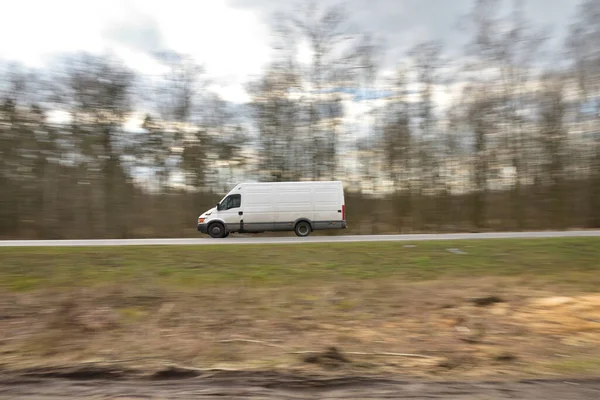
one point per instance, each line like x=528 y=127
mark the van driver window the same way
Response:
x=236 y=201
x=233 y=201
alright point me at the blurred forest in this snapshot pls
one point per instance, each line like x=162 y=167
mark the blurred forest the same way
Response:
x=504 y=136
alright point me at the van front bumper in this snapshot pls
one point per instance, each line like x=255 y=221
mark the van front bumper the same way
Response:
x=202 y=228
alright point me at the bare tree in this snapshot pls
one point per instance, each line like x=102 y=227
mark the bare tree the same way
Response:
x=506 y=50
x=427 y=59
x=333 y=50
x=19 y=150
x=554 y=142
x=176 y=95
x=583 y=45
x=229 y=137
x=397 y=133
x=364 y=73
x=177 y=89
x=98 y=91
x=482 y=119
x=277 y=116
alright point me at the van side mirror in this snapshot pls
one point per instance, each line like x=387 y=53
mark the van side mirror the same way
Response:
x=218 y=206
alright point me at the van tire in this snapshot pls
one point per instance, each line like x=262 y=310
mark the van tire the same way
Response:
x=216 y=230
x=302 y=229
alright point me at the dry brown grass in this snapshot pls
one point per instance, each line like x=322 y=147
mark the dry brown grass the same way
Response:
x=372 y=325
x=501 y=322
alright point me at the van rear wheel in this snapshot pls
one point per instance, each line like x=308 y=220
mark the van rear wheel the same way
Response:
x=303 y=229
x=216 y=230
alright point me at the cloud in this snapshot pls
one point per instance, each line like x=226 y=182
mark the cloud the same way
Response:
x=401 y=24
x=33 y=30
x=139 y=33
x=231 y=38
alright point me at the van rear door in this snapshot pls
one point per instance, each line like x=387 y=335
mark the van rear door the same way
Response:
x=327 y=202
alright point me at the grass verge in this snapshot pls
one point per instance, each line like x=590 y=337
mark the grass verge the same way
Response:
x=572 y=261
x=470 y=308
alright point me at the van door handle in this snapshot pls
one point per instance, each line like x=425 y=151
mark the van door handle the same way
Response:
x=241 y=213
x=339 y=211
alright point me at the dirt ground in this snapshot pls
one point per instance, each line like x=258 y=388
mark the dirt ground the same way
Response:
x=431 y=330
x=267 y=386
x=480 y=348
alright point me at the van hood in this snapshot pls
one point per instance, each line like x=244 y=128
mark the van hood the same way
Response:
x=212 y=210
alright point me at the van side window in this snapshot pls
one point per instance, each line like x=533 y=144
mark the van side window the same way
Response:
x=233 y=201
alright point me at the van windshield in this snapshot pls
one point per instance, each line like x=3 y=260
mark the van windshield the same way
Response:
x=221 y=203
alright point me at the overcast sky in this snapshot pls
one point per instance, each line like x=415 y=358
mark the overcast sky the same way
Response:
x=230 y=37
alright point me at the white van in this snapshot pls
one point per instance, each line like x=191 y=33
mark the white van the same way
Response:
x=301 y=207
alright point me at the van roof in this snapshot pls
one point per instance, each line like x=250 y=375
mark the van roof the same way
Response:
x=295 y=182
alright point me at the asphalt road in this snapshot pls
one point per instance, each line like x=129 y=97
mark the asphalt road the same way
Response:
x=268 y=386
x=258 y=239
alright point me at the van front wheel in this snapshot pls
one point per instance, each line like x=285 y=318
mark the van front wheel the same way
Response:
x=216 y=230
x=303 y=229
